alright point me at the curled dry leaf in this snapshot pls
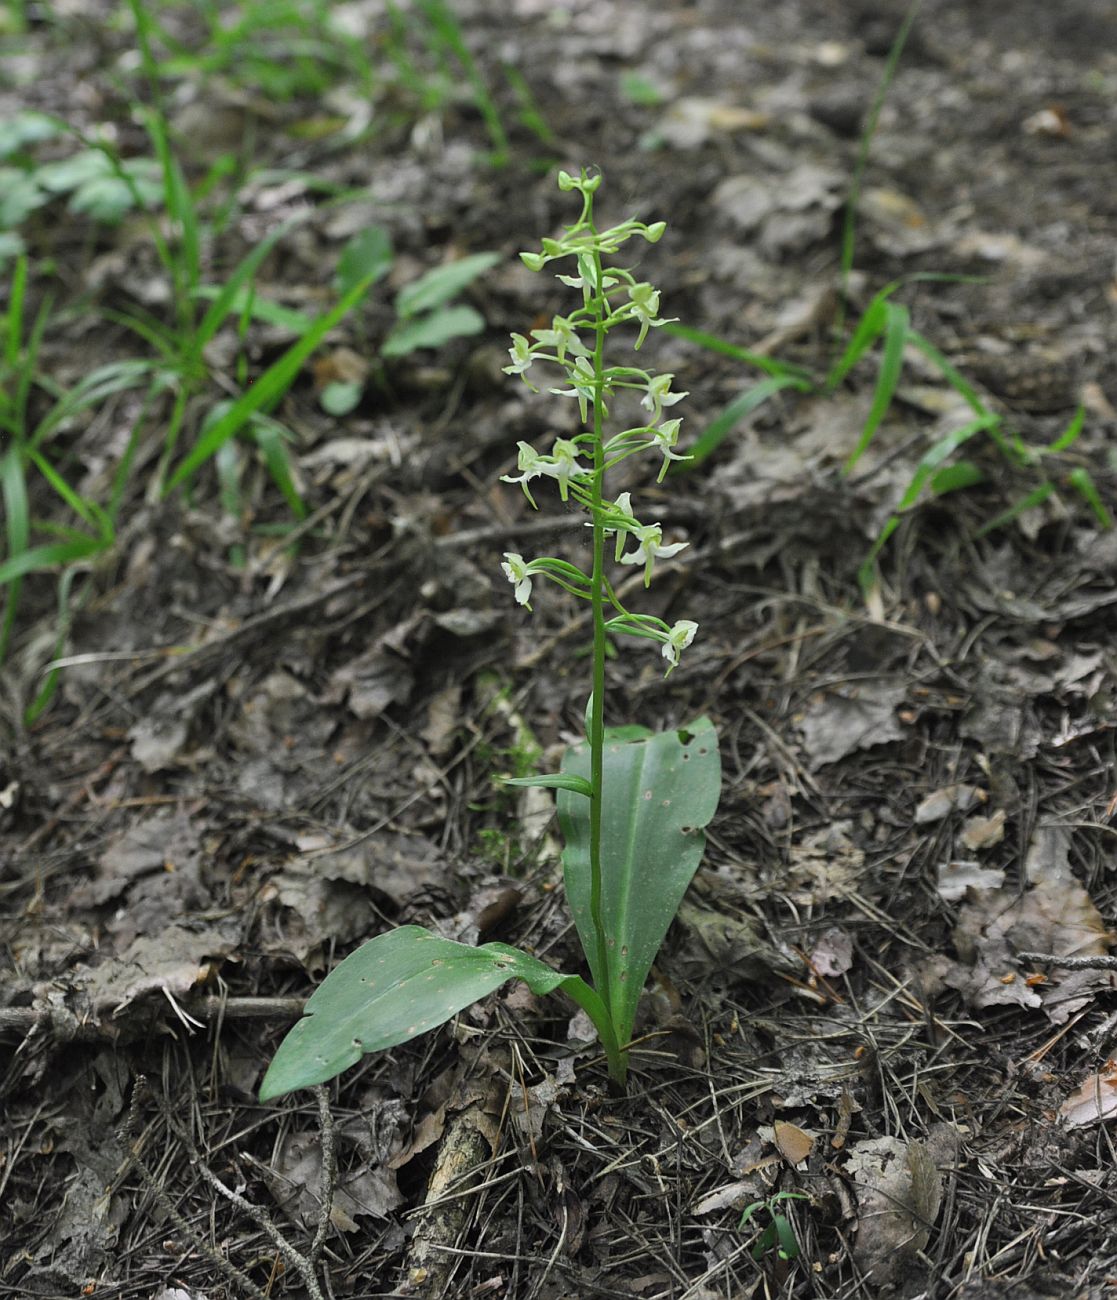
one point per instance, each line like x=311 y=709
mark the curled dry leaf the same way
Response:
x=951 y=798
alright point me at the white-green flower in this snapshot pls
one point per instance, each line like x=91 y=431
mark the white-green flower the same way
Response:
x=649 y=538
x=563 y=337
x=518 y=572
x=562 y=465
x=645 y=304
x=665 y=438
x=622 y=507
x=522 y=358
x=582 y=385
x=677 y=640
x=659 y=395
x=531 y=465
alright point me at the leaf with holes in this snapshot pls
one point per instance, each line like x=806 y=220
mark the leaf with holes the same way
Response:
x=392 y=989
x=659 y=792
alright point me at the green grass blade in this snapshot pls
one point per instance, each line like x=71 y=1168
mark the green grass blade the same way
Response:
x=849 y=216
x=86 y=510
x=869 y=328
x=896 y=323
x=17 y=516
x=269 y=388
x=46 y=692
x=1037 y=496
x=929 y=465
x=103 y=382
x=1084 y=485
x=231 y=296
x=38 y=558
x=726 y=421
x=711 y=342
x=13 y=326
x=269 y=438
x=1070 y=434
x=449 y=33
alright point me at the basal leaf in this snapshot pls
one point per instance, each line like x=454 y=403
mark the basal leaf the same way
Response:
x=392 y=989
x=442 y=283
x=432 y=330
x=658 y=795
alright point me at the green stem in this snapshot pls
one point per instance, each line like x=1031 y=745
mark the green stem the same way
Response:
x=618 y=1060
x=591 y=1003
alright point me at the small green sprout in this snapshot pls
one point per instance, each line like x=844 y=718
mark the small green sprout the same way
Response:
x=779 y=1234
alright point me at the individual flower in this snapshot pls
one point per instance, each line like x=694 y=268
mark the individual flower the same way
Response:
x=622 y=508
x=518 y=571
x=532 y=466
x=644 y=300
x=522 y=358
x=665 y=438
x=677 y=640
x=562 y=464
x=649 y=538
x=659 y=395
x=563 y=337
x=582 y=386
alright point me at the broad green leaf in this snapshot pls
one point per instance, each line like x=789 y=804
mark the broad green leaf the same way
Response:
x=432 y=331
x=392 y=989
x=439 y=285
x=559 y=781
x=26 y=128
x=69 y=173
x=19 y=197
x=341 y=397
x=367 y=253
x=658 y=795
x=109 y=198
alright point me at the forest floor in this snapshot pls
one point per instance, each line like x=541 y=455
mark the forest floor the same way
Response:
x=272 y=738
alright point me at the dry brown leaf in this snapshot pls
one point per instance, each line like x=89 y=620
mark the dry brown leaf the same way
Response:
x=1094 y=1101
x=899 y=1192
x=791 y=1142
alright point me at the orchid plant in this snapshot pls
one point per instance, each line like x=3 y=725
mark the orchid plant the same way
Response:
x=632 y=804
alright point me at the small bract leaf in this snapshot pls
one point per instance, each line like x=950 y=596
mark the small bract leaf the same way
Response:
x=558 y=781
